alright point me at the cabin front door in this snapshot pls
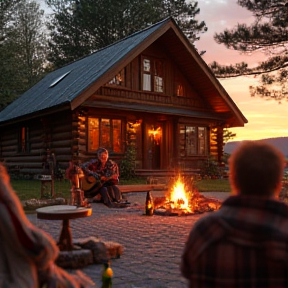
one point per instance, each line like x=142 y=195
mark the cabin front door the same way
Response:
x=154 y=146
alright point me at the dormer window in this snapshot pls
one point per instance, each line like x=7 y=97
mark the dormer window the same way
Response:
x=152 y=74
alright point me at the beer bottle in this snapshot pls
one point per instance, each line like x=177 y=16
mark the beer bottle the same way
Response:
x=107 y=276
x=149 y=204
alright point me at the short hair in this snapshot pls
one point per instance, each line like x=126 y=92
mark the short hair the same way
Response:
x=256 y=168
x=102 y=150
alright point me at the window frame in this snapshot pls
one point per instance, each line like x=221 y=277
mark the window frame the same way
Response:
x=150 y=76
x=200 y=140
x=111 y=148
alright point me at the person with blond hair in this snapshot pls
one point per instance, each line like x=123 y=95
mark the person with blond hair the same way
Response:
x=28 y=254
x=244 y=243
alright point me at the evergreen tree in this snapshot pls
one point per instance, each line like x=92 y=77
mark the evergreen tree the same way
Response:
x=22 y=48
x=267 y=34
x=6 y=60
x=228 y=135
x=84 y=26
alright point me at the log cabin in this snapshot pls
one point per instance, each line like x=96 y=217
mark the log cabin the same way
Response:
x=151 y=90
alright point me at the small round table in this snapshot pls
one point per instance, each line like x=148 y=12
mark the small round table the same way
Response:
x=64 y=213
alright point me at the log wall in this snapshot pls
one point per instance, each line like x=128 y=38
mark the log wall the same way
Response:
x=51 y=134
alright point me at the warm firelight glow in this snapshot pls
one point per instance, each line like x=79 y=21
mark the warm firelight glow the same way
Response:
x=178 y=196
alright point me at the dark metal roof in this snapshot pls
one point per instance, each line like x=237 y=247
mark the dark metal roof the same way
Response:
x=66 y=88
x=82 y=73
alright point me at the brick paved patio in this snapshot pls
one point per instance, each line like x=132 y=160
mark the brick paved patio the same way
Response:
x=152 y=245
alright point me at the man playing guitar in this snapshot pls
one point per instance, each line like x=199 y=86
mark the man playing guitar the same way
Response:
x=101 y=177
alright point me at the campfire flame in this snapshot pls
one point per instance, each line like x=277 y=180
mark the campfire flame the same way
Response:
x=184 y=199
x=179 y=198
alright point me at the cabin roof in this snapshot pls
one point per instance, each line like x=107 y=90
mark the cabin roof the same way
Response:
x=73 y=82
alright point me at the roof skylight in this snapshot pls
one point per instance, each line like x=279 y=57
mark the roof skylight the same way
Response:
x=56 y=81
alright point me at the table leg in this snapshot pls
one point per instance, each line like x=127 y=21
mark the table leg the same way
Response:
x=65 y=239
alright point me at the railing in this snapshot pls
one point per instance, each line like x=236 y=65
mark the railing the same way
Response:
x=148 y=96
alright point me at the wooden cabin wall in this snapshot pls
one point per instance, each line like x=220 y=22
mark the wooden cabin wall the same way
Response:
x=217 y=143
x=169 y=142
x=172 y=73
x=50 y=134
x=62 y=137
x=79 y=137
x=131 y=132
x=23 y=162
x=132 y=93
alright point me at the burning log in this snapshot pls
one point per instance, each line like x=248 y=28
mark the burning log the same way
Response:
x=184 y=199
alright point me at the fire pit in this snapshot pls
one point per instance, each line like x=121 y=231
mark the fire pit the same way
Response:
x=184 y=199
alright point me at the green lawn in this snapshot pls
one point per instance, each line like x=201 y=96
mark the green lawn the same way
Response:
x=218 y=185
x=28 y=189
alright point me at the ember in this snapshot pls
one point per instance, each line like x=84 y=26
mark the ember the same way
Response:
x=184 y=199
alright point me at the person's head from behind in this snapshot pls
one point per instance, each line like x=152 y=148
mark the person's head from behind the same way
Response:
x=256 y=168
x=102 y=155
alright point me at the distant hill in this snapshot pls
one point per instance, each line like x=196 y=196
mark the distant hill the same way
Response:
x=280 y=142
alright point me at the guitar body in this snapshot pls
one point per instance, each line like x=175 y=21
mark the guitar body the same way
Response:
x=90 y=186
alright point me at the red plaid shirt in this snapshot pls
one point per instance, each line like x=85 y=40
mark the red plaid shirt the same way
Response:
x=242 y=245
x=93 y=167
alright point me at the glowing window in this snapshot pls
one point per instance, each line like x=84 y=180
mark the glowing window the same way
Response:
x=193 y=140
x=105 y=132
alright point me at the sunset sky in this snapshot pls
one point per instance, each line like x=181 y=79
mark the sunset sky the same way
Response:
x=266 y=119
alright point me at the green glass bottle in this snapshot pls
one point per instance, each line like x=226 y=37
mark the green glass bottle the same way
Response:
x=107 y=276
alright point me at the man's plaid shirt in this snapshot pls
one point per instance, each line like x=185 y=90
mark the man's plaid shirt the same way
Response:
x=242 y=245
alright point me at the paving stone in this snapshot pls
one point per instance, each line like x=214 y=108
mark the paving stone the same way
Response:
x=152 y=246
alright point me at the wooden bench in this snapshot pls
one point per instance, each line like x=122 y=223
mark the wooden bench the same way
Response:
x=141 y=187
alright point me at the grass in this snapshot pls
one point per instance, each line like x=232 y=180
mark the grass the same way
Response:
x=218 y=185
x=28 y=189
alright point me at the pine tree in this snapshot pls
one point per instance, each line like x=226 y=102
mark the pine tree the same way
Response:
x=22 y=48
x=267 y=34
x=84 y=26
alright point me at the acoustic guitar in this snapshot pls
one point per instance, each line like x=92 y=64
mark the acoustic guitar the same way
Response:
x=91 y=185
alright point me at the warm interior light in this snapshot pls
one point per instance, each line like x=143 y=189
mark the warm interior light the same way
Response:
x=156 y=134
x=135 y=123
